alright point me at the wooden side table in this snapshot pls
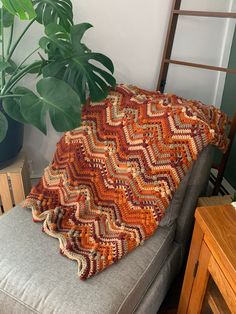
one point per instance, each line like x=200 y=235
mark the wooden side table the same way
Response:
x=210 y=278
x=214 y=200
x=14 y=183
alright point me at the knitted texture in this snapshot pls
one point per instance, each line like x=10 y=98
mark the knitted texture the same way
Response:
x=111 y=180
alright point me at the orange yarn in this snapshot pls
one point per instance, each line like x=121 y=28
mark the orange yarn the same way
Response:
x=111 y=180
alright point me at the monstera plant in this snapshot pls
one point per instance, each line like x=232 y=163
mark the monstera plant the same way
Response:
x=67 y=70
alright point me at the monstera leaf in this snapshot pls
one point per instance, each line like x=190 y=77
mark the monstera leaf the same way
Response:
x=57 y=43
x=7 y=66
x=54 y=11
x=3 y=126
x=12 y=105
x=22 y=8
x=45 y=11
x=55 y=97
x=8 y=18
x=3 y=64
x=75 y=63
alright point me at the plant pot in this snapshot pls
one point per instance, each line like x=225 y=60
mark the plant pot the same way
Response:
x=13 y=142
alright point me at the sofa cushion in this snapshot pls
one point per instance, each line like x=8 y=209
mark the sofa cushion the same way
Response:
x=35 y=278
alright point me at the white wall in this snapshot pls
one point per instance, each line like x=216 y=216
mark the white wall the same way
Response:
x=226 y=49
x=132 y=34
x=198 y=40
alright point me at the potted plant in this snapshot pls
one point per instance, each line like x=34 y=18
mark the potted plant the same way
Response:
x=67 y=72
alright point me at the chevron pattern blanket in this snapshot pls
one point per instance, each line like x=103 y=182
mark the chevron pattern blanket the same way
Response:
x=111 y=180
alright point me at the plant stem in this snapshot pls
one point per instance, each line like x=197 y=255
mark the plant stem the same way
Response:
x=10 y=38
x=10 y=95
x=3 y=49
x=10 y=84
x=19 y=39
x=18 y=67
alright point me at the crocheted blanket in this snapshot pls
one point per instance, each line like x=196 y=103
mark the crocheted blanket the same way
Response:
x=111 y=179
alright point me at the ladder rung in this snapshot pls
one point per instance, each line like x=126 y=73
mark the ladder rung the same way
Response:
x=206 y=13
x=202 y=66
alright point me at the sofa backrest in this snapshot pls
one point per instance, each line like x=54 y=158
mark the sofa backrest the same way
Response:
x=182 y=207
x=195 y=187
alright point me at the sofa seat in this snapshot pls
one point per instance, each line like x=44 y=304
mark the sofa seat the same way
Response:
x=35 y=278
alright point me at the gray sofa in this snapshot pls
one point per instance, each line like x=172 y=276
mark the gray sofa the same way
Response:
x=35 y=278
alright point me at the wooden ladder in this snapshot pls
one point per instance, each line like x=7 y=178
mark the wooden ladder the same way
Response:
x=166 y=58
x=166 y=61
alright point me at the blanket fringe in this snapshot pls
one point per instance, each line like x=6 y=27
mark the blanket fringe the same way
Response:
x=46 y=217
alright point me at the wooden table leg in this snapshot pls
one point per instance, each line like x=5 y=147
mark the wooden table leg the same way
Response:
x=200 y=282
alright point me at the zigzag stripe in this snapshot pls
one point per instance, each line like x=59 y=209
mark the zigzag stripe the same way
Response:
x=111 y=180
